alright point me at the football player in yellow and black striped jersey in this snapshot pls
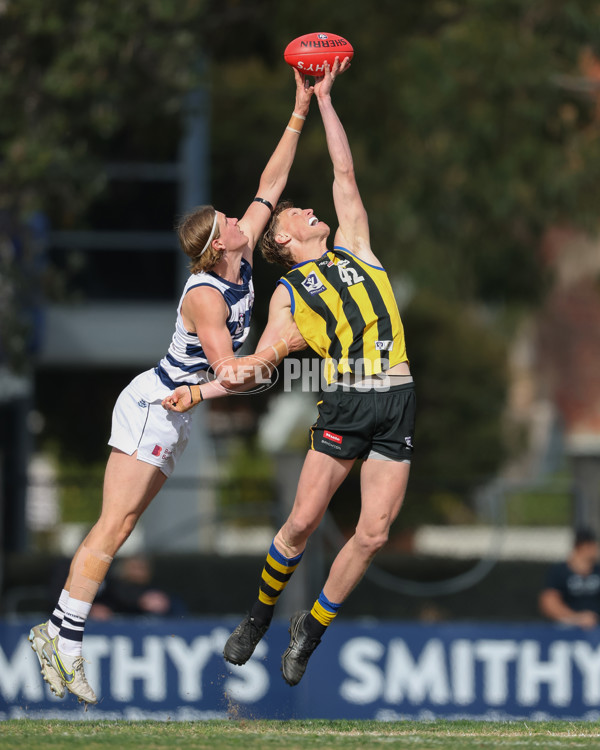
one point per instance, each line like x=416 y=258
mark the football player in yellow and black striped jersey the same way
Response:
x=343 y=305
x=346 y=312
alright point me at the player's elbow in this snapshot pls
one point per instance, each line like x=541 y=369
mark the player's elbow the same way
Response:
x=344 y=174
x=234 y=375
x=229 y=382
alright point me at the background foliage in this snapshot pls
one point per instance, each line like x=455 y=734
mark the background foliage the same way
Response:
x=472 y=128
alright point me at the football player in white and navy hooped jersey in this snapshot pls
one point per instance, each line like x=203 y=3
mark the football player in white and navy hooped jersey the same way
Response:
x=186 y=354
x=213 y=319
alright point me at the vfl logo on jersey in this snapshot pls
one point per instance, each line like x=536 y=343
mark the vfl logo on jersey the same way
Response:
x=384 y=346
x=142 y=404
x=313 y=284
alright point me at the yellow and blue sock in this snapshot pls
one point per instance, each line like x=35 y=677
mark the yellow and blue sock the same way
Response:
x=276 y=573
x=321 y=615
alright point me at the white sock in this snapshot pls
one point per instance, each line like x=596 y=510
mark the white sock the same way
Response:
x=70 y=637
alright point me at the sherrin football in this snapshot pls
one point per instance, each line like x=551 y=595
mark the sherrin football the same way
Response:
x=310 y=52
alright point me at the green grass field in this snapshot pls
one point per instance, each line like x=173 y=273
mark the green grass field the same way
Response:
x=27 y=734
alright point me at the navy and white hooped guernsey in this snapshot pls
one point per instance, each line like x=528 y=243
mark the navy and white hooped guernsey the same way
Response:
x=185 y=361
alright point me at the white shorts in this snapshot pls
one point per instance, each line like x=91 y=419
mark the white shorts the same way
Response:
x=139 y=423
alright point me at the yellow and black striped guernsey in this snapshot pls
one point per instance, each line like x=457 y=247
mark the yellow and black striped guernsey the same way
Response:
x=346 y=311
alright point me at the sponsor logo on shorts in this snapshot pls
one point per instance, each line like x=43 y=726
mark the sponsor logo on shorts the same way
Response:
x=157 y=450
x=166 y=454
x=329 y=445
x=408 y=441
x=384 y=346
x=143 y=404
x=313 y=284
x=333 y=437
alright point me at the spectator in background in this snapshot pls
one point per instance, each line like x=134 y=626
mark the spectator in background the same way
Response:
x=131 y=590
x=572 y=592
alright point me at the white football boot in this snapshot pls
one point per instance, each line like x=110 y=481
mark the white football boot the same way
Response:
x=70 y=668
x=41 y=643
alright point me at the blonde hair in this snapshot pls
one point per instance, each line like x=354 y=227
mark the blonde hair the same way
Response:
x=194 y=231
x=273 y=251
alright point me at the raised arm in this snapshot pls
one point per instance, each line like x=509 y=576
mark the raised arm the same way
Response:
x=353 y=230
x=275 y=174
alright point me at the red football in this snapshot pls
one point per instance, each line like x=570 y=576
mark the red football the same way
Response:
x=310 y=52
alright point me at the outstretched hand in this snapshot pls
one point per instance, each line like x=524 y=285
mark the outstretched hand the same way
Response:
x=324 y=83
x=304 y=91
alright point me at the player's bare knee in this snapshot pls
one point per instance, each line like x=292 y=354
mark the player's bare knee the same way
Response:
x=297 y=530
x=370 y=543
x=113 y=532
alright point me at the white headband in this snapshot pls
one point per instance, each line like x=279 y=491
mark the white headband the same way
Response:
x=211 y=236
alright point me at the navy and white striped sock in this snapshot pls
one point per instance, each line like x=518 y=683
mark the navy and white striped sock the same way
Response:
x=70 y=637
x=58 y=614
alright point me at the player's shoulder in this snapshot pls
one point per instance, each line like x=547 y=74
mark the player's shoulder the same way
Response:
x=281 y=294
x=203 y=294
x=357 y=247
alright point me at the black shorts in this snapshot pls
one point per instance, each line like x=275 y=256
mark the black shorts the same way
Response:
x=353 y=423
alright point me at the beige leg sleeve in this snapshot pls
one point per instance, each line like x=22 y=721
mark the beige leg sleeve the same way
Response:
x=89 y=570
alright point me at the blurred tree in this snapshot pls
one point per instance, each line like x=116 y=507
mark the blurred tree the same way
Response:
x=85 y=82
x=459 y=363
x=78 y=75
x=468 y=141
x=465 y=144
x=468 y=126
x=472 y=133
x=75 y=76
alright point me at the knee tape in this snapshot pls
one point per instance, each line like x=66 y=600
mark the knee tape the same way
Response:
x=89 y=570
